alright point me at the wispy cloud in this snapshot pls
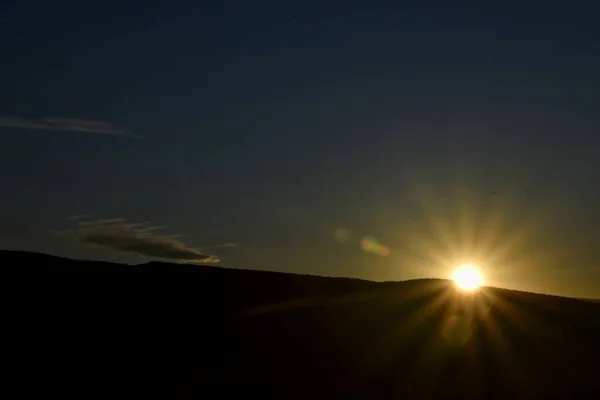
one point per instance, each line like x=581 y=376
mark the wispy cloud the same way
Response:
x=138 y=238
x=64 y=124
x=233 y=244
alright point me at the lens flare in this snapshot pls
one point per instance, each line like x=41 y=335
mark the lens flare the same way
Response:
x=371 y=245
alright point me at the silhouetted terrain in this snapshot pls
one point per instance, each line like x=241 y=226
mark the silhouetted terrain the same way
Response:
x=88 y=329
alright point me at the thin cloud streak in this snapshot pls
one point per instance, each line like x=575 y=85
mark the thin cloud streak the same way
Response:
x=233 y=244
x=138 y=238
x=65 y=124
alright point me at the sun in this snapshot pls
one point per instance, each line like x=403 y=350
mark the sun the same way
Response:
x=468 y=277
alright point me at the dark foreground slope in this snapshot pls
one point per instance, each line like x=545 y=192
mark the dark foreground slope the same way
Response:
x=84 y=329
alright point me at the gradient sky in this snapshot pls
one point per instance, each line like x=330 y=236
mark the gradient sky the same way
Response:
x=278 y=134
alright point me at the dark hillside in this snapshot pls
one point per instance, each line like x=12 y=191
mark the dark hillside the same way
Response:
x=86 y=329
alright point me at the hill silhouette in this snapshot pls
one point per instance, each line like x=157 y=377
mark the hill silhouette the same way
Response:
x=85 y=329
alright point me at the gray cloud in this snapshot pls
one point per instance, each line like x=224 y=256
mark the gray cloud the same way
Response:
x=233 y=244
x=64 y=124
x=135 y=238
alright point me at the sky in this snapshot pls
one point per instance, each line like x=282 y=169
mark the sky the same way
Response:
x=372 y=139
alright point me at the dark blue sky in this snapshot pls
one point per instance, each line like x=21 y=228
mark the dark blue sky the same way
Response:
x=449 y=133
